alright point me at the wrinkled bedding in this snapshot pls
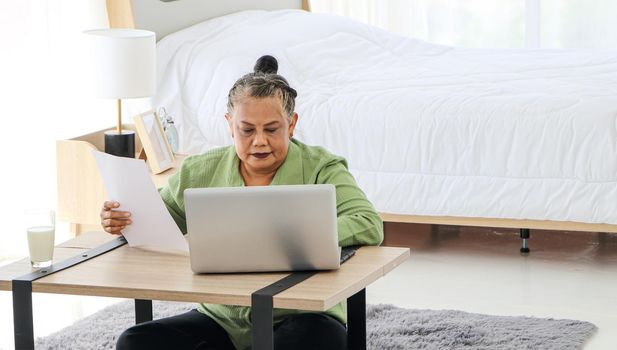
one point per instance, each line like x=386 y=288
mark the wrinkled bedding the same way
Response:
x=426 y=129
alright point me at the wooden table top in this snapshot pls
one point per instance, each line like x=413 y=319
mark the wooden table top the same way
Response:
x=140 y=274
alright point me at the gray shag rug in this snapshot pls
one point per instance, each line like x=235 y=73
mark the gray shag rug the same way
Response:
x=388 y=328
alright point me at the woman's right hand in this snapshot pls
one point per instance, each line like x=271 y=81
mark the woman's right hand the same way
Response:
x=114 y=221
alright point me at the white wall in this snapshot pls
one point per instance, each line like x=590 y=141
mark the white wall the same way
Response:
x=489 y=23
x=45 y=96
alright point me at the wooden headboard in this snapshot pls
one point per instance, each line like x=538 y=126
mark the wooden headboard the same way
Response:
x=167 y=16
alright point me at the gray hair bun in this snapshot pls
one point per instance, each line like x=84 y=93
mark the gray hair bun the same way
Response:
x=266 y=64
x=263 y=82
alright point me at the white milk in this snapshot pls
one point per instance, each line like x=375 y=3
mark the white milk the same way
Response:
x=41 y=243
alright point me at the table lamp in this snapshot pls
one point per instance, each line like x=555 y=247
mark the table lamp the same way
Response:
x=124 y=65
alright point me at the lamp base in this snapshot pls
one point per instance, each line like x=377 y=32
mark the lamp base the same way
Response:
x=121 y=145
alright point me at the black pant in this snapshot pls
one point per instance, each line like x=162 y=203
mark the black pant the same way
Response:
x=194 y=330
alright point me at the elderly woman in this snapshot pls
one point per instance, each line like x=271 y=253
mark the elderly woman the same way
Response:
x=261 y=118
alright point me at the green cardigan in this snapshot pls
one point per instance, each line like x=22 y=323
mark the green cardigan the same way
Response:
x=358 y=222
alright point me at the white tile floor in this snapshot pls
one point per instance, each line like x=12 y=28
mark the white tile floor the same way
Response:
x=567 y=275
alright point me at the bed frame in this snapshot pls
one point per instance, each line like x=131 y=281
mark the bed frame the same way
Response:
x=166 y=16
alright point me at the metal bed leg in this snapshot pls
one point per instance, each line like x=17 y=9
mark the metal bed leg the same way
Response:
x=356 y=321
x=22 y=314
x=524 y=240
x=143 y=311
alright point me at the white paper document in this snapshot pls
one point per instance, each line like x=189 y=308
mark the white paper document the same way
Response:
x=128 y=182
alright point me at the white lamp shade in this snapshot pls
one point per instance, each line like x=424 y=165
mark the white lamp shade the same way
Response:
x=124 y=62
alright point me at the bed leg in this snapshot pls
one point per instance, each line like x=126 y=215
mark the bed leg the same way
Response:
x=524 y=240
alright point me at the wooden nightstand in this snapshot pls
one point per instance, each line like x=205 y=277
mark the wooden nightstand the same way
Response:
x=80 y=189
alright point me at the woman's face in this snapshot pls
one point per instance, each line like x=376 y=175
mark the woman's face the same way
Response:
x=261 y=131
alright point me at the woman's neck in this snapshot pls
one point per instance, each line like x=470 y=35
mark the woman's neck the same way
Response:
x=254 y=178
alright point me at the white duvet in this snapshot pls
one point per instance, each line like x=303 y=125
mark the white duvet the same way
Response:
x=426 y=129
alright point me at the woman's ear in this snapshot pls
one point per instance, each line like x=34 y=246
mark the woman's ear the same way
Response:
x=230 y=124
x=292 y=124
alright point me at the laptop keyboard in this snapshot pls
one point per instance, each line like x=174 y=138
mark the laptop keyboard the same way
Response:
x=348 y=252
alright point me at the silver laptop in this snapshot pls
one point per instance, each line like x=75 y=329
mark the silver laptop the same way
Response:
x=262 y=228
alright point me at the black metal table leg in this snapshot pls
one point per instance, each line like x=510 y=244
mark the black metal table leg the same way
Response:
x=356 y=321
x=261 y=309
x=143 y=311
x=22 y=291
x=261 y=317
x=22 y=314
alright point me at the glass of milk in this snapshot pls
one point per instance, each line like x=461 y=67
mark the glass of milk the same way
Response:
x=41 y=228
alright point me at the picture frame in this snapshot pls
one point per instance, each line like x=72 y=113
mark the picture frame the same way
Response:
x=159 y=154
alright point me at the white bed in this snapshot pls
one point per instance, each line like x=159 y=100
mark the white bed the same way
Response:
x=525 y=138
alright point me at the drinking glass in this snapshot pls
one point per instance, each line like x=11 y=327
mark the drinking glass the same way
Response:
x=41 y=229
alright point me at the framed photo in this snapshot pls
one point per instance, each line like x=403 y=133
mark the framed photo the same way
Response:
x=158 y=151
